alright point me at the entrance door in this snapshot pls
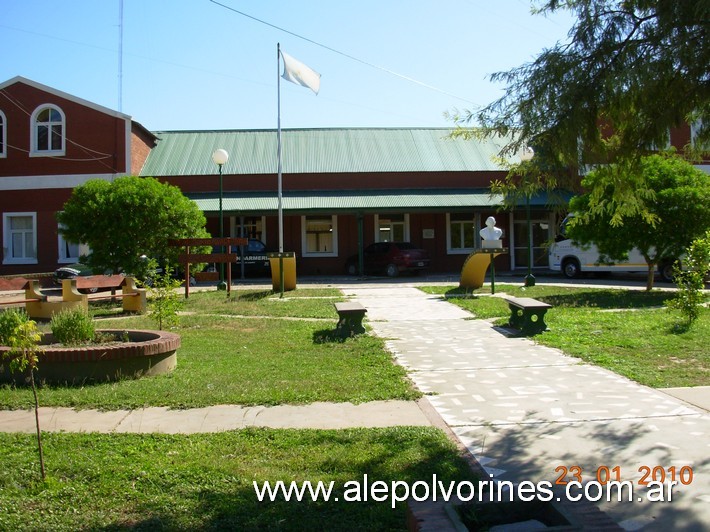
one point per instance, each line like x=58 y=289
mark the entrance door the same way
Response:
x=539 y=233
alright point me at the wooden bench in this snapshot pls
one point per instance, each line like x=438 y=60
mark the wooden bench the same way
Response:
x=134 y=299
x=350 y=322
x=93 y=283
x=18 y=301
x=527 y=314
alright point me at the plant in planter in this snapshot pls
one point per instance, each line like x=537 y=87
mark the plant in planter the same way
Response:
x=20 y=334
x=73 y=327
x=75 y=352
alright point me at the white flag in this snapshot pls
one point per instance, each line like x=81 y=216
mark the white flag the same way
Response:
x=300 y=74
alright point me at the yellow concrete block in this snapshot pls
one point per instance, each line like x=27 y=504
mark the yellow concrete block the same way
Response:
x=45 y=309
x=134 y=299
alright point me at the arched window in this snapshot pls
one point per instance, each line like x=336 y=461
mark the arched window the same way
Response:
x=3 y=135
x=48 y=131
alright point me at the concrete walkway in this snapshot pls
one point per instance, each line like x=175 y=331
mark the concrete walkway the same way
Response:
x=526 y=411
x=218 y=418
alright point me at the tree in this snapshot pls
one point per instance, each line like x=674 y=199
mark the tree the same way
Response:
x=691 y=280
x=21 y=335
x=165 y=301
x=679 y=209
x=128 y=218
x=630 y=70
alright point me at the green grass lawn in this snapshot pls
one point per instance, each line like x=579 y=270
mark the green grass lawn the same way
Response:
x=253 y=348
x=226 y=359
x=201 y=482
x=621 y=330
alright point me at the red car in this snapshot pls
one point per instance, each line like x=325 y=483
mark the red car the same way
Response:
x=390 y=258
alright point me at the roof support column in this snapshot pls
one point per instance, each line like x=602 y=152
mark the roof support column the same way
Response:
x=360 y=243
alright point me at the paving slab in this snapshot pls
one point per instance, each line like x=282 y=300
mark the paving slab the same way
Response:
x=390 y=303
x=218 y=418
x=538 y=394
x=635 y=446
x=525 y=410
x=698 y=396
x=463 y=344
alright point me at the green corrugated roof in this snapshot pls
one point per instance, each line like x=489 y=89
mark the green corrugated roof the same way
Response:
x=307 y=151
x=356 y=201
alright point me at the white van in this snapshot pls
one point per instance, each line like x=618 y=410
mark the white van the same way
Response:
x=573 y=260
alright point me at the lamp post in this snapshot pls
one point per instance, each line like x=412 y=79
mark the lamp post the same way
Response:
x=220 y=157
x=526 y=154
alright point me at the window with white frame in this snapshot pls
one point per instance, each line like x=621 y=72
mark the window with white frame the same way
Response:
x=252 y=227
x=19 y=238
x=69 y=252
x=391 y=228
x=461 y=232
x=3 y=135
x=320 y=236
x=48 y=131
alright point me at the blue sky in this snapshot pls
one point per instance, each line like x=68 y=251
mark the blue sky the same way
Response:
x=192 y=64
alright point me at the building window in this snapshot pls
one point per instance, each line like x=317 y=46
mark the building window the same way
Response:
x=48 y=131
x=462 y=235
x=69 y=252
x=391 y=228
x=19 y=238
x=320 y=236
x=252 y=227
x=3 y=135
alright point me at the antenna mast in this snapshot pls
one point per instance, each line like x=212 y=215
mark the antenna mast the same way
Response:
x=120 y=56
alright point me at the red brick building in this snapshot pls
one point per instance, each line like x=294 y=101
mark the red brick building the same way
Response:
x=342 y=188
x=51 y=142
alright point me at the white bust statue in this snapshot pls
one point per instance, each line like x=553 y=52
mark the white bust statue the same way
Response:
x=491 y=234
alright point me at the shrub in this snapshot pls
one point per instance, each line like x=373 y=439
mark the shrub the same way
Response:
x=165 y=302
x=10 y=320
x=73 y=327
x=691 y=280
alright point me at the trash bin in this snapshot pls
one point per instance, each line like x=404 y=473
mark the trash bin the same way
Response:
x=289 y=265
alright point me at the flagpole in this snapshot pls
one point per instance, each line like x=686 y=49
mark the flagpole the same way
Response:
x=278 y=155
x=278 y=143
x=300 y=74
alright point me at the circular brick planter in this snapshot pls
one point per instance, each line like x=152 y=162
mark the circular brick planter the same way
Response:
x=146 y=353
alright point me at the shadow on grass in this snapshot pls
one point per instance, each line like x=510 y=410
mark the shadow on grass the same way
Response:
x=327 y=336
x=607 y=299
x=178 y=496
x=460 y=293
x=680 y=327
x=253 y=296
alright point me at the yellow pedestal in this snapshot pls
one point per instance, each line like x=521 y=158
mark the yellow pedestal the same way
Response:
x=476 y=265
x=134 y=298
x=289 y=264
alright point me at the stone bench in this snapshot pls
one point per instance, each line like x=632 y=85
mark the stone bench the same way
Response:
x=527 y=314
x=350 y=322
x=39 y=306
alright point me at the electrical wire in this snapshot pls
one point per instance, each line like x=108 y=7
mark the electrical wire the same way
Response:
x=86 y=149
x=348 y=56
x=61 y=157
